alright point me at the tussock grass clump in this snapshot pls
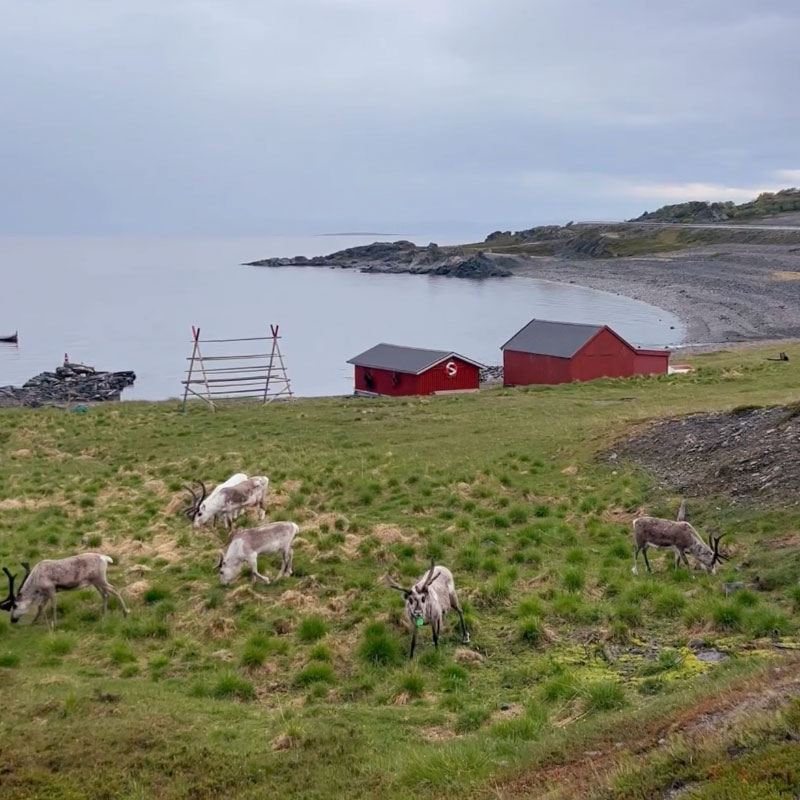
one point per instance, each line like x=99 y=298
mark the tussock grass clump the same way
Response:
x=669 y=602
x=526 y=727
x=378 y=647
x=321 y=652
x=727 y=616
x=768 y=622
x=121 y=653
x=231 y=686
x=574 y=580
x=604 y=696
x=9 y=660
x=531 y=631
x=312 y=628
x=411 y=683
x=316 y=672
x=156 y=594
x=59 y=644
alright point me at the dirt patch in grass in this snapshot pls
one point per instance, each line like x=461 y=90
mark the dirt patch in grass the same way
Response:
x=744 y=454
x=434 y=734
x=392 y=534
x=162 y=545
x=14 y=504
x=576 y=775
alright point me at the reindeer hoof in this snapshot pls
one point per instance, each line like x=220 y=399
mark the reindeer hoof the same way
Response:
x=465 y=640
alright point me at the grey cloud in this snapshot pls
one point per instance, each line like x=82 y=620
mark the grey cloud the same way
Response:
x=236 y=116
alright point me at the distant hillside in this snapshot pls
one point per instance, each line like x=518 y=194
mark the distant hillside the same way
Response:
x=765 y=205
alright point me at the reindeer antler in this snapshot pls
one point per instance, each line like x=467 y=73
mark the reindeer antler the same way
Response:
x=27 y=567
x=430 y=577
x=8 y=602
x=191 y=509
x=397 y=586
x=715 y=547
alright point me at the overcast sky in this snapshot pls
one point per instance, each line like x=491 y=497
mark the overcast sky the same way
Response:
x=304 y=116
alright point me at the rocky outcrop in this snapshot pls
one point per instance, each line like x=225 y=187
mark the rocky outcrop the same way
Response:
x=491 y=374
x=402 y=256
x=70 y=383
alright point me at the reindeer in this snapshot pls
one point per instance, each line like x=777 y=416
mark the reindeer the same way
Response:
x=680 y=536
x=428 y=600
x=230 y=501
x=245 y=546
x=47 y=577
x=194 y=506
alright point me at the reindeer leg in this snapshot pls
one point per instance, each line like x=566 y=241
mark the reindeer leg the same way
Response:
x=109 y=588
x=413 y=639
x=102 y=592
x=436 y=628
x=289 y=559
x=635 y=569
x=647 y=563
x=256 y=575
x=677 y=558
x=457 y=606
x=42 y=604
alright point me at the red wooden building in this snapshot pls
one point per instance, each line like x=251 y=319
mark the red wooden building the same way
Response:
x=394 y=370
x=560 y=352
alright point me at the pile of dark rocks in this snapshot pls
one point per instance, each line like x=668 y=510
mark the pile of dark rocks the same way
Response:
x=491 y=374
x=403 y=256
x=70 y=383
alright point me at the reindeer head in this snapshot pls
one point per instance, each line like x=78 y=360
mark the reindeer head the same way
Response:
x=228 y=569
x=15 y=604
x=417 y=597
x=197 y=512
x=709 y=555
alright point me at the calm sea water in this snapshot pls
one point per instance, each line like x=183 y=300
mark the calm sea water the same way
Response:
x=120 y=303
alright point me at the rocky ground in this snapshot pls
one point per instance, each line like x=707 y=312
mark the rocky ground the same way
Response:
x=403 y=256
x=722 y=293
x=750 y=453
x=70 y=383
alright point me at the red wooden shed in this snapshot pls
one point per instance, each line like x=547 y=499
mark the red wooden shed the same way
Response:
x=545 y=351
x=394 y=370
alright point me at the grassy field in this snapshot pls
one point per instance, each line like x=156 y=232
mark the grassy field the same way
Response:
x=580 y=680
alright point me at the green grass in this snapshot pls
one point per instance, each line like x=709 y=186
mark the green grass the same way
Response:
x=569 y=652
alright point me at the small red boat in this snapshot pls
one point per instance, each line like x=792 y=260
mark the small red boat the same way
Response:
x=13 y=338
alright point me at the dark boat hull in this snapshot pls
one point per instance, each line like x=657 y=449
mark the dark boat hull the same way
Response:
x=11 y=338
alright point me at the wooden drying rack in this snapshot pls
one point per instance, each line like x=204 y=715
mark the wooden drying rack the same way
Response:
x=207 y=378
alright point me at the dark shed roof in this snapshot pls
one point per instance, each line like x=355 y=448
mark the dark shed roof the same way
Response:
x=547 y=338
x=412 y=360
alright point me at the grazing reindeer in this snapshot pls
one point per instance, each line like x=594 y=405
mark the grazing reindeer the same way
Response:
x=194 y=506
x=428 y=600
x=231 y=500
x=245 y=546
x=47 y=577
x=680 y=536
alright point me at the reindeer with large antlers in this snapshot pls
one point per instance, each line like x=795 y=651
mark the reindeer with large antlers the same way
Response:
x=47 y=577
x=678 y=535
x=228 y=501
x=428 y=600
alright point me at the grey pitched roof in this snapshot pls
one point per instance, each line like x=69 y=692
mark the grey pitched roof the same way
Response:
x=412 y=360
x=548 y=338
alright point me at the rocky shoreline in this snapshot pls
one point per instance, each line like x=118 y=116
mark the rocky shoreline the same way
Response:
x=746 y=289
x=404 y=257
x=69 y=383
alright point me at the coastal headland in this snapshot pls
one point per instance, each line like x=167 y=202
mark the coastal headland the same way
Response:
x=731 y=273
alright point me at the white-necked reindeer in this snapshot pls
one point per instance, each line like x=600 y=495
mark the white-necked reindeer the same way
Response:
x=194 y=506
x=48 y=577
x=245 y=546
x=678 y=535
x=227 y=502
x=428 y=600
